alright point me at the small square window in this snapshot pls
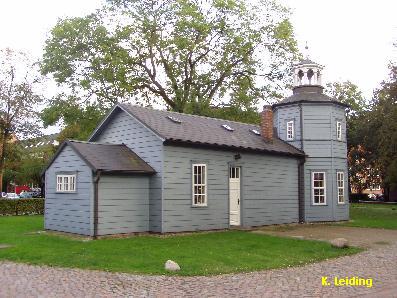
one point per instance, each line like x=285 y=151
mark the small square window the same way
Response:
x=66 y=183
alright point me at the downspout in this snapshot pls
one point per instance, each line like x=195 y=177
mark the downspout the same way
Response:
x=301 y=125
x=96 y=203
x=301 y=189
x=301 y=173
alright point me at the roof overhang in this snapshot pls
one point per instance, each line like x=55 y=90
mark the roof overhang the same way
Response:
x=333 y=102
x=184 y=143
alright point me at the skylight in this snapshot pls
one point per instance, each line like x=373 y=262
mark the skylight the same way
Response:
x=227 y=127
x=255 y=132
x=174 y=119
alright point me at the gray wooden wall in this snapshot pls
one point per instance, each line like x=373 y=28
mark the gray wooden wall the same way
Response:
x=325 y=152
x=280 y=118
x=123 y=204
x=328 y=154
x=122 y=128
x=69 y=212
x=269 y=192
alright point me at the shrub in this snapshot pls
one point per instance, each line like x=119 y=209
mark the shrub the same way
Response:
x=21 y=206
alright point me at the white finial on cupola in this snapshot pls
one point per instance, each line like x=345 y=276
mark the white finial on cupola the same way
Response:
x=307 y=51
x=307 y=72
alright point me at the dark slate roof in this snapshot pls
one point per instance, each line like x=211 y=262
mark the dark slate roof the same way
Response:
x=205 y=131
x=306 y=61
x=108 y=157
x=308 y=93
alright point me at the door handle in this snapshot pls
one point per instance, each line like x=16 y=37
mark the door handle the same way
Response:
x=238 y=201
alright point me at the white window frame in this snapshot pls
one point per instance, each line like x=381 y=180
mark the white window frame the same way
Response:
x=324 y=188
x=202 y=184
x=66 y=183
x=339 y=130
x=340 y=187
x=290 y=130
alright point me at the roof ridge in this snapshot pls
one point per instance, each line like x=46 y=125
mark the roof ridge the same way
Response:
x=95 y=143
x=190 y=115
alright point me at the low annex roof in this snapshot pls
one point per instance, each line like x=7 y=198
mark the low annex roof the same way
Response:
x=108 y=158
x=185 y=129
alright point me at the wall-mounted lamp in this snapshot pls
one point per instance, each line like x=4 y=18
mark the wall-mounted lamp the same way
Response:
x=237 y=156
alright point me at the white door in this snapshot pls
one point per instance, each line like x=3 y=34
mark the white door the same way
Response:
x=234 y=195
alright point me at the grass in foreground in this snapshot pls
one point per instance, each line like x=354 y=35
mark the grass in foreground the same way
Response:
x=197 y=254
x=373 y=216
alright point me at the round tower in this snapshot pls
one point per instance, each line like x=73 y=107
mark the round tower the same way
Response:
x=316 y=124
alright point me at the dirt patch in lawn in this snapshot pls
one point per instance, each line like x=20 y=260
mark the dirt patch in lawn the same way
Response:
x=3 y=246
x=361 y=237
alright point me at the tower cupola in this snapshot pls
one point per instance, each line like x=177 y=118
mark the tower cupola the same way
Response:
x=307 y=73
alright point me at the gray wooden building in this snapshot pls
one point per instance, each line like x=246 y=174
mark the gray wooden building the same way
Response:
x=159 y=171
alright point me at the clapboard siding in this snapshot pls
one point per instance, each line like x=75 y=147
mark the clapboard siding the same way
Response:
x=123 y=128
x=123 y=204
x=69 y=212
x=269 y=189
x=332 y=210
x=327 y=154
x=281 y=117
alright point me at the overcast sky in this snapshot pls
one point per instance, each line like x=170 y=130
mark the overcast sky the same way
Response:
x=353 y=39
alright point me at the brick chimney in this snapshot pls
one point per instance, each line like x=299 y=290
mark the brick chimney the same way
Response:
x=267 y=123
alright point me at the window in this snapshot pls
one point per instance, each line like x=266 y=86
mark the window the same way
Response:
x=318 y=188
x=340 y=180
x=234 y=173
x=199 y=172
x=227 y=127
x=255 y=131
x=174 y=119
x=66 y=183
x=290 y=130
x=339 y=130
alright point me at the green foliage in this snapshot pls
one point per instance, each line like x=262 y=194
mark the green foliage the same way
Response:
x=24 y=164
x=186 y=54
x=21 y=206
x=19 y=100
x=32 y=163
x=79 y=122
x=348 y=93
x=225 y=252
x=382 y=128
x=11 y=164
x=372 y=136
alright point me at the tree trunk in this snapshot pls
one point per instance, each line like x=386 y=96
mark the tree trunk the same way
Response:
x=2 y=156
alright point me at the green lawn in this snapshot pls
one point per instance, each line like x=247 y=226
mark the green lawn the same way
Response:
x=197 y=254
x=373 y=216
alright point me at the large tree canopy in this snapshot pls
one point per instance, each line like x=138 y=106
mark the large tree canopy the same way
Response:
x=186 y=54
x=372 y=133
x=381 y=128
x=78 y=122
x=19 y=99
